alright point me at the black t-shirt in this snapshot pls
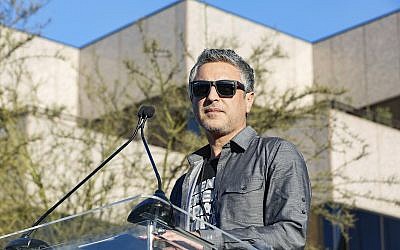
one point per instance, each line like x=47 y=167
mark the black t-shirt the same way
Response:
x=202 y=201
x=208 y=171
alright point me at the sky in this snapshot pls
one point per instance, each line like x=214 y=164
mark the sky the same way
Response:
x=78 y=22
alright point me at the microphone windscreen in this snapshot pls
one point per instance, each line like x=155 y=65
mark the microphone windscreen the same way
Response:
x=146 y=111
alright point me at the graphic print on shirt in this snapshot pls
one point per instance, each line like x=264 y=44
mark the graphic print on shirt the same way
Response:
x=202 y=204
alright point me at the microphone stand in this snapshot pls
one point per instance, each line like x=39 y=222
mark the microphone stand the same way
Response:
x=152 y=209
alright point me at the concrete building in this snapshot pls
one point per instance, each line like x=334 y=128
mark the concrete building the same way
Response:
x=364 y=60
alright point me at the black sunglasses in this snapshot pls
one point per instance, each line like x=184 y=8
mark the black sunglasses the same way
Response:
x=225 y=88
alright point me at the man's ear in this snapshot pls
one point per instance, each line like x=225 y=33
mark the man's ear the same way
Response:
x=249 y=101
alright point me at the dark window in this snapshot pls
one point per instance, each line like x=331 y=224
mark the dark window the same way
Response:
x=391 y=232
x=371 y=231
x=366 y=232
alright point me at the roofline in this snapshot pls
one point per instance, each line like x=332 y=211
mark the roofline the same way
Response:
x=355 y=26
x=60 y=42
x=129 y=24
x=41 y=36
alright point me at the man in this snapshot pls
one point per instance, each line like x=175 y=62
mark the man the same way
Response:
x=253 y=187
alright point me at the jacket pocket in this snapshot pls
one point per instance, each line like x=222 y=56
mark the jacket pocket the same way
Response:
x=242 y=202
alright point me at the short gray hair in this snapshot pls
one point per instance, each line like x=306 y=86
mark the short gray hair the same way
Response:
x=227 y=56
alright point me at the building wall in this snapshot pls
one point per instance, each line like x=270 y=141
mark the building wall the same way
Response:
x=102 y=62
x=365 y=61
x=367 y=175
x=48 y=67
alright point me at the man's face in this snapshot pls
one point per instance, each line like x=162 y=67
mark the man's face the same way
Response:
x=221 y=116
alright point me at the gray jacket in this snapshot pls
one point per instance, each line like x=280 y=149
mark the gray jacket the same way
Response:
x=263 y=192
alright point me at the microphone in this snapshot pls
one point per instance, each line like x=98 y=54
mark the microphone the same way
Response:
x=151 y=209
x=25 y=241
x=146 y=112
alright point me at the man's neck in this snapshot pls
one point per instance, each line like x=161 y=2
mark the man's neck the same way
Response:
x=218 y=141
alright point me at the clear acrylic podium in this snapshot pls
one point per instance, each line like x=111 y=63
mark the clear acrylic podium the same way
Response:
x=107 y=228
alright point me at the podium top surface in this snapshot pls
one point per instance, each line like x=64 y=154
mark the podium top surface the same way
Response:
x=107 y=227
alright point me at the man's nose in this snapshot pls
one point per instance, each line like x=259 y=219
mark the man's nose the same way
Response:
x=213 y=95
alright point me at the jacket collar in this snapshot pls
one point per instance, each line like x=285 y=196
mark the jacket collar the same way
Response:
x=244 y=137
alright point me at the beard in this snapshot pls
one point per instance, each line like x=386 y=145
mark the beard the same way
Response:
x=216 y=126
x=216 y=130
